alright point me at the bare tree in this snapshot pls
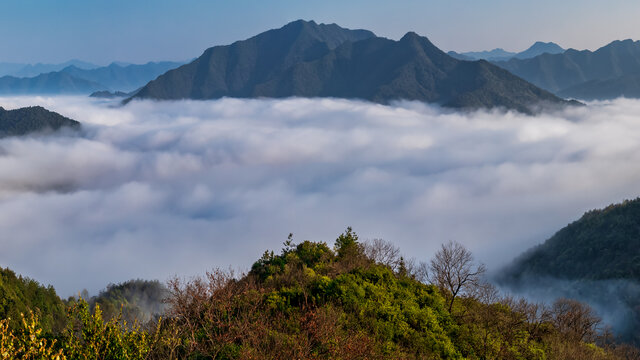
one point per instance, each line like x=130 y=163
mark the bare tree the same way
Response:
x=454 y=271
x=575 y=320
x=383 y=252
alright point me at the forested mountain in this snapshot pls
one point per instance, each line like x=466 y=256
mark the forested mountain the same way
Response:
x=604 y=73
x=19 y=295
x=35 y=119
x=601 y=245
x=299 y=60
x=49 y=83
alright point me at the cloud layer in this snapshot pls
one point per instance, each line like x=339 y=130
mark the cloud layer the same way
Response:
x=153 y=190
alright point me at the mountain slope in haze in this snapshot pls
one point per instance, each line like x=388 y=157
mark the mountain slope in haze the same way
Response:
x=50 y=83
x=602 y=244
x=31 y=70
x=297 y=60
x=497 y=53
x=540 y=48
x=7 y=68
x=558 y=72
x=534 y=50
x=627 y=86
x=33 y=119
x=122 y=78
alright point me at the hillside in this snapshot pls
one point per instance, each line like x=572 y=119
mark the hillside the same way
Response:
x=19 y=295
x=49 y=83
x=299 y=60
x=312 y=301
x=33 y=119
x=572 y=70
x=627 y=86
x=601 y=245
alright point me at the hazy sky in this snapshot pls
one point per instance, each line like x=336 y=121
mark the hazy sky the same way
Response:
x=140 y=31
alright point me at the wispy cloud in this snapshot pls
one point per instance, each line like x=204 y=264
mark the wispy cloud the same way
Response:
x=156 y=189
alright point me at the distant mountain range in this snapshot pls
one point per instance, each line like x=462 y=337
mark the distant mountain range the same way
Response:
x=499 y=54
x=76 y=80
x=122 y=77
x=49 y=83
x=33 y=119
x=609 y=72
x=316 y=60
x=31 y=70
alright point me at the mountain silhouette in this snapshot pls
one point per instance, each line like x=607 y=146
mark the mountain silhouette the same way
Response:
x=310 y=60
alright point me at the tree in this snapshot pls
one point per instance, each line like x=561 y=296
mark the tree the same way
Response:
x=454 y=271
x=575 y=320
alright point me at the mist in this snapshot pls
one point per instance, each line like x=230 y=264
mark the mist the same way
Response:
x=156 y=189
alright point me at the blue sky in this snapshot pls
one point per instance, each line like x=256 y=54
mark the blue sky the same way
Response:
x=139 y=31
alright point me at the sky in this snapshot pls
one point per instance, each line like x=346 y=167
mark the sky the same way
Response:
x=139 y=31
x=152 y=190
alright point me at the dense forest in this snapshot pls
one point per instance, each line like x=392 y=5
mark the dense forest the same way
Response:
x=33 y=119
x=355 y=300
x=602 y=244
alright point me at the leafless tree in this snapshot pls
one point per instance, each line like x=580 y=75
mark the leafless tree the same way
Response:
x=383 y=252
x=455 y=272
x=575 y=320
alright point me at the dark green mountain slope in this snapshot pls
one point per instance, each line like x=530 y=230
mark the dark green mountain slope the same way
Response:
x=236 y=69
x=294 y=61
x=383 y=70
x=123 y=78
x=603 y=244
x=19 y=295
x=32 y=119
x=556 y=72
x=50 y=83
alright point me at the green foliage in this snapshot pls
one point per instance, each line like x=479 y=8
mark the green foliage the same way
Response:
x=19 y=295
x=313 y=302
x=89 y=336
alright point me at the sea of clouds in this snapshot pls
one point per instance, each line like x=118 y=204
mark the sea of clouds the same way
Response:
x=156 y=189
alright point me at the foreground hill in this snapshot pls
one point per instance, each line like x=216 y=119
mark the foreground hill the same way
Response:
x=310 y=60
x=312 y=301
x=573 y=72
x=35 y=119
x=19 y=295
x=601 y=245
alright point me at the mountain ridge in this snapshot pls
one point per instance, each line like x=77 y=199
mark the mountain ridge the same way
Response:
x=372 y=68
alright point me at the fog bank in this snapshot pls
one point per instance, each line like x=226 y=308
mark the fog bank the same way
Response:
x=152 y=190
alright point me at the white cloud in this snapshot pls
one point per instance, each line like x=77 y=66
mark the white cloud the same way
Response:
x=156 y=189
